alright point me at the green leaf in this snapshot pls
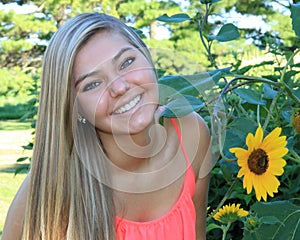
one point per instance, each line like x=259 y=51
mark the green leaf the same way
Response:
x=237 y=131
x=269 y=93
x=250 y=96
x=212 y=226
x=23 y=168
x=176 y=18
x=172 y=86
x=295 y=15
x=247 y=68
x=228 y=32
x=285 y=226
x=22 y=159
x=229 y=169
x=182 y=106
x=139 y=32
x=28 y=147
x=269 y=220
x=244 y=70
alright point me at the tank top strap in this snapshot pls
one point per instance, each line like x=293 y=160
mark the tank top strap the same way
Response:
x=177 y=129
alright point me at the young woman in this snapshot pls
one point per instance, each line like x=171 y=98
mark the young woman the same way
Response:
x=103 y=167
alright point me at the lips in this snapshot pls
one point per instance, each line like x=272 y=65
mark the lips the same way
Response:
x=128 y=106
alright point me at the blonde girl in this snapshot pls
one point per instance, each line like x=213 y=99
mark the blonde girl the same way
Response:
x=102 y=166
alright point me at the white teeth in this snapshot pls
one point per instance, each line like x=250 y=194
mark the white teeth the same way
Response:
x=129 y=105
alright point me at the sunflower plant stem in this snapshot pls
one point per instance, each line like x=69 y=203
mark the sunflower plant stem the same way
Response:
x=200 y=23
x=291 y=94
x=296 y=157
x=284 y=71
x=226 y=196
x=291 y=58
x=253 y=79
x=226 y=159
x=225 y=230
x=272 y=106
x=207 y=49
x=244 y=112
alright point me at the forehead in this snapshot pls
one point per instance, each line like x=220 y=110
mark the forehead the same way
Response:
x=100 y=48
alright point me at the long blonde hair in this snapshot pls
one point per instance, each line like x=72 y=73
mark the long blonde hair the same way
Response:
x=66 y=201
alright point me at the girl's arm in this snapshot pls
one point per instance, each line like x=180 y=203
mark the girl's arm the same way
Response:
x=202 y=161
x=200 y=202
x=15 y=217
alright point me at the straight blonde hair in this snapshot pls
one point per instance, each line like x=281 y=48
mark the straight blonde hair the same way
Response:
x=66 y=201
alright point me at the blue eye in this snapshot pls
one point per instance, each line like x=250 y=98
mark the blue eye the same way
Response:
x=91 y=86
x=127 y=62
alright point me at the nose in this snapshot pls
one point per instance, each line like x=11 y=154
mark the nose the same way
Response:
x=118 y=87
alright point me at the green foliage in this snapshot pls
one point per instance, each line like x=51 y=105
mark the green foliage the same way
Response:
x=276 y=220
x=10 y=46
x=266 y=96
x=14 y=82
x=176 y=18
x=142 y=13
x=182 y=106
x=228 y=32
x=295 y=15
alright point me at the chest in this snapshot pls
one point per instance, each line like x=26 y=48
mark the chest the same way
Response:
x=144 y=207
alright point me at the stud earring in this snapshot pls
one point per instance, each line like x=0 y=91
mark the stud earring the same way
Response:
x=81 y=119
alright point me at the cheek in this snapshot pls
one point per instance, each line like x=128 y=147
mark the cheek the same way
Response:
x=91 y=106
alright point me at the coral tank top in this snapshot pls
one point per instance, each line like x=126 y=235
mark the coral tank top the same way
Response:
x=177 y=224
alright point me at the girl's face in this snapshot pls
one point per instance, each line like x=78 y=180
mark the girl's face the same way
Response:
x=115 y=84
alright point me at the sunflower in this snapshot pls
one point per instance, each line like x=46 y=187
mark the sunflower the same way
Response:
x=262 y=162
x=230 y=213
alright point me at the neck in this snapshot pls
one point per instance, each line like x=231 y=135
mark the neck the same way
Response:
x=134 y=152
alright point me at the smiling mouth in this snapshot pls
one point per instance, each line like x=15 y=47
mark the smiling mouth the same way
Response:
x=128 y=106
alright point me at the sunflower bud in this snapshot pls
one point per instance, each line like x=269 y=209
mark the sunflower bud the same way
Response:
x=252 y=223
x=296 y=120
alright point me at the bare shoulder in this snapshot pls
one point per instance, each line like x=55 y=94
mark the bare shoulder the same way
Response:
x=15 y=216
x=196 y=138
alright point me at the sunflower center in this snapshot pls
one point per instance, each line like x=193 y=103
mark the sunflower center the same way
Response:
x=258 y=161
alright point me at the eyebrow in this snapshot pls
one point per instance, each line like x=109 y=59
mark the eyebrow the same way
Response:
x=92 y=73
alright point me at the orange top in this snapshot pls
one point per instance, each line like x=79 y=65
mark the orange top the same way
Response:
x=178 y=223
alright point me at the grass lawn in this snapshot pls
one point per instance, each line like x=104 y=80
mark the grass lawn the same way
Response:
x=12 y=125
x=13 y=135
x=9 y=184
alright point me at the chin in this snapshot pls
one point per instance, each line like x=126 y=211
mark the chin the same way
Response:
x=138 y=125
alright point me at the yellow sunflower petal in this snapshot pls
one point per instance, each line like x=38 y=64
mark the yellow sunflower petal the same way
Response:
x=275 y=170
x=276 y=143
x=240 y=153
x=242 y=163
x=278 y=162
x=242 y=213
x=272 y=135
x=258 y=136
x=260 y=191
x=250 y=141
x=276 y=166
x=233 y=150
x=241 y=172
x=271 y=184
x=248 y=182
x=277 y=153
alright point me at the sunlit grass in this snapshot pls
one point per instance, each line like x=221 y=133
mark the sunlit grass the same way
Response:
x=9 y=185
x=10 y=151
x=14 y=125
